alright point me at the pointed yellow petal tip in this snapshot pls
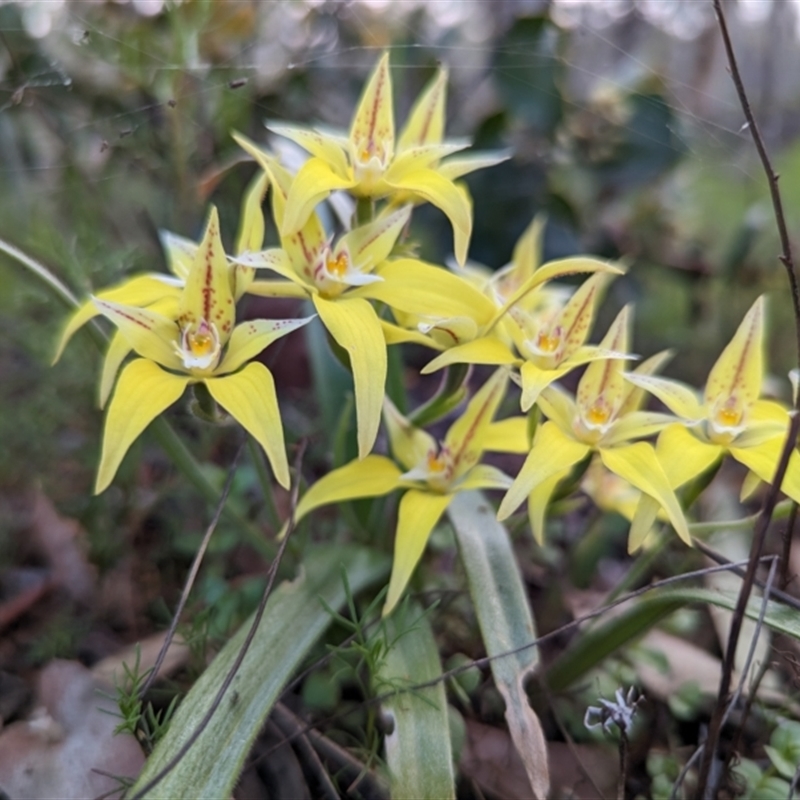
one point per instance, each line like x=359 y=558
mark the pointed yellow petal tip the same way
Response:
x=372 y=129
x=734 y=382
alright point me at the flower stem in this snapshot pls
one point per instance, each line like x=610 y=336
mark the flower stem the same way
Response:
x=257 y=454
x=451 y=392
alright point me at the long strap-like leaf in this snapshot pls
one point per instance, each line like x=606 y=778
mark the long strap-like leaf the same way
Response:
x=294 y=619
x=418 y=750
x=506 y=623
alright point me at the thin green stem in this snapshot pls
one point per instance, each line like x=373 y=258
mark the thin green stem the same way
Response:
x=257 y=454
x=187 y=464
x=452 y=390
x=41 y=272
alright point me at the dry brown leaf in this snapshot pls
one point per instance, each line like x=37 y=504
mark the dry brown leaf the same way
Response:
x=491 y=760
x=63 y=749
x=62 y=543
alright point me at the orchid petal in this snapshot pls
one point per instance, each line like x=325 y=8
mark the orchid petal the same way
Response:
x=486 y=350
x=179 y=252
x=768 y=411
x=680 y=399
x=421 y=157
x=251 y=227
x=448 y=331
x=326 y=148
x=484 y=476
x=409 y=445
x=634 y=395
x=313 y=183
x=757 y=433
x=249 y=397
x=417 y=515
x=455 y=168
x=577 y=316
x=418 y=288
x=538 y=500
x=739 y=370
x=535 y=380
x=118 y=349
x=370 y=245
x=143 y=290
x=143 y=391
x=373 y=476
x=643 y=520
x=149 y=333
x=354 y=325
x=558 y=406
x=305 y=245
x=394 y=334
x=508 y=436
x=578 y=319
x=449 y=197
x=208 y=295
x=636 y=425
x=527 y=254
x=372 y=128
x=251 y=337
x=279 y=177
x=251 y=231
x=603 y=378
x=425 y=123
x=276 y=260
x=763 y=461
x=464 y=439
x=277 y=289
x=637 y=463
x=552 y=453
x=683 y=456
x=750 y=484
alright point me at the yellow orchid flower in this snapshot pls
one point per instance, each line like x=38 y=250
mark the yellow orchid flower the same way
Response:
x=729 y=417
x=603 y=418
x=341 y=278
x=431 y=472
x=161 y=292
x=556 y=341
x=501 y=284
x=369 y=162
x=198 y=344
x=552 y=343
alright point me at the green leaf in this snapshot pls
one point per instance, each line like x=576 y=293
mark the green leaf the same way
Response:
x=527 y=71
x=418 y=750
x=505 y=621
x=293 y=621
x=603 y=639
x=650 y=145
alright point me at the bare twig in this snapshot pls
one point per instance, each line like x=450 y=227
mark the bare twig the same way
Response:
x=787 y=260
x=752 y=649
x=273 y=571
x=288 y=724
x=370 y=784
x=190 y=579
x=788 y=536
x=771 y=591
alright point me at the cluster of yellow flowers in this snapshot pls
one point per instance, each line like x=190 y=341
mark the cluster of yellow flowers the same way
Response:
x=181 y=330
